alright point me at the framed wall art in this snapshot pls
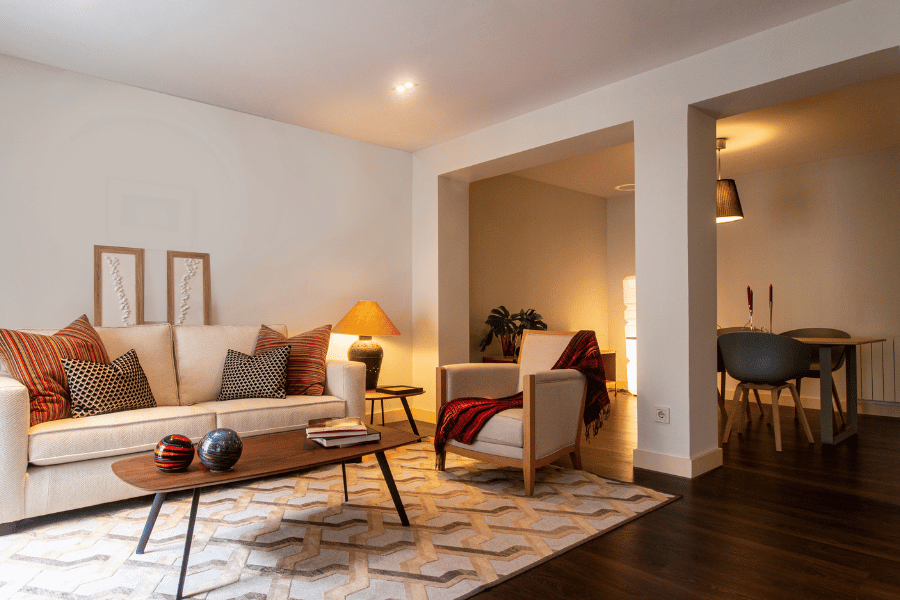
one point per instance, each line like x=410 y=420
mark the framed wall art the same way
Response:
x=189 y=295
x=118 y=286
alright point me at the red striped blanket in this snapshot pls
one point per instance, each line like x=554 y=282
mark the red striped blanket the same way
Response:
x=463 y=418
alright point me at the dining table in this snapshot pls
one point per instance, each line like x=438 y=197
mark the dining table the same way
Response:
x=826 y=346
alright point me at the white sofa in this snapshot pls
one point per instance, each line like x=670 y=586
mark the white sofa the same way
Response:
x=65 y=464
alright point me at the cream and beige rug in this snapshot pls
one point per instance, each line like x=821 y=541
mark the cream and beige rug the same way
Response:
x=294 y=537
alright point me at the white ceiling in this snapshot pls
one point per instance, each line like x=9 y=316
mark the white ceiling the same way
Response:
x=852 y=120
x=330 y=65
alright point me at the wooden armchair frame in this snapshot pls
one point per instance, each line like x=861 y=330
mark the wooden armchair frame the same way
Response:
x=528 y=463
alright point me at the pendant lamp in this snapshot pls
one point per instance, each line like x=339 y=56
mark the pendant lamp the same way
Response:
x=728 y=203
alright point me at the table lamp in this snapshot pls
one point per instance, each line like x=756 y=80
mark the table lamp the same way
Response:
x=366 y=319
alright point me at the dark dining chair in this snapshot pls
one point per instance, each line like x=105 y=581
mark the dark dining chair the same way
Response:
x=764 y=361
x=720 y=368
x=837 y=358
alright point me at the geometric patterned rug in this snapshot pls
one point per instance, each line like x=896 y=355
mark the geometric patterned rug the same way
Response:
x=293 y=536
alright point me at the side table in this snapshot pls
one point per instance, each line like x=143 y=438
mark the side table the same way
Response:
x=373 y=396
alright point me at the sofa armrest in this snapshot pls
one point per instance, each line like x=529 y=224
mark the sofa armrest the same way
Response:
x=346 y=380
x=15 y=418
x=465 y=380
x=558 y=401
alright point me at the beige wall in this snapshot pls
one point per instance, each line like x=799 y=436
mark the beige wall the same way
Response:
x=843 y=213
x=826 y=235
x=620 y=264
x=534 y=245
x=299 y=224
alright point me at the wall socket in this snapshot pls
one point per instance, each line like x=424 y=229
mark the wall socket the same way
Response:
x=661 y=414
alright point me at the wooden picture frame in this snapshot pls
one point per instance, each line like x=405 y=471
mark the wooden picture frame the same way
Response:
x=118 y=286
x=187 y=306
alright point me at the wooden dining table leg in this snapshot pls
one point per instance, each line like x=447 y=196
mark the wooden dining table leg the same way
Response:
x=826 y=416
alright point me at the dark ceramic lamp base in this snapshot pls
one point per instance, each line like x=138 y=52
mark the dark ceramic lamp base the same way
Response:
x=367 y=351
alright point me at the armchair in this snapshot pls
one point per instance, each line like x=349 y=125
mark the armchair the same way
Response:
x=548 y=426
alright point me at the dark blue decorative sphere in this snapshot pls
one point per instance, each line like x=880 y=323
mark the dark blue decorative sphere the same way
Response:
x=220 y=449
x=173 y=453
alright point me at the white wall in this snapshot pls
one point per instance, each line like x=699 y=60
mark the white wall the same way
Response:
x=826 y=235
x=299 y=224
x=671 y=167
x=535 y=245
x=619 y=265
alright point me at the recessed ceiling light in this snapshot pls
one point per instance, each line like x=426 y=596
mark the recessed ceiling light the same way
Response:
x=405 y=86
x=625 y=187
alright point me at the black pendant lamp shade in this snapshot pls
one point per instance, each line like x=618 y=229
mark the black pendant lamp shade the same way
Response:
x=728 y=203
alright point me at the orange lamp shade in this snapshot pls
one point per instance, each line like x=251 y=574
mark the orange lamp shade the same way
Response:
x=366 y=318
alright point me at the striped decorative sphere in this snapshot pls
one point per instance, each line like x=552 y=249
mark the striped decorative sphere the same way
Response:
x=220 y=449
x=173 y=453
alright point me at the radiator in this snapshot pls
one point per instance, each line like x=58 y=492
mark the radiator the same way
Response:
x=876 y=366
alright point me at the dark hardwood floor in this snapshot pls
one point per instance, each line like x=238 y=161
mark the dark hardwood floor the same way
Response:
x=808 y=522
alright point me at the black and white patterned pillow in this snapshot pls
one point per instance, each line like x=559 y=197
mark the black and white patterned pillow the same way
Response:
x=97 y=389
x=260 y=376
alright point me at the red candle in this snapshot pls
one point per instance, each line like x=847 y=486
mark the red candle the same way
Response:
x=750 y=298
x=770 y=293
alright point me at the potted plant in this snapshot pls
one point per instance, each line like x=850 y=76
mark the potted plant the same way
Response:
x=508 y=328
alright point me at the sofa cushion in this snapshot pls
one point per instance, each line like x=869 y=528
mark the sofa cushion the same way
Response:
x=260 y=376
x=97 y=389
x=114 y=434
x=153 y=344
x=36 y=361
x=200 y=356
x=306 y=365
x=257 y=416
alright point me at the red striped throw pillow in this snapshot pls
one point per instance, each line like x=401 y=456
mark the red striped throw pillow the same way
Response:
x=306 y=364
x=36 y=361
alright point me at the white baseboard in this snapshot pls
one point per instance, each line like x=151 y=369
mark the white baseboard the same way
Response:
x=677 y=465
x=865 y=407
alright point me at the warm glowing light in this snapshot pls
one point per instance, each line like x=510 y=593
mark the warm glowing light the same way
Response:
x=630 y=297
x=727 y=219
x=405 y=86
x=625 y=187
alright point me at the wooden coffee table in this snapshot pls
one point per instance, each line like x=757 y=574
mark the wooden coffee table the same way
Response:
x=262 y=456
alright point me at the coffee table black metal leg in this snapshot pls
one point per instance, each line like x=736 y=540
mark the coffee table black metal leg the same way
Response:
x=187 y=542
x=344 y=473
x=409 y=416
x=392 y=487
x=382 y=412
x=151 y=521
x=372 y=417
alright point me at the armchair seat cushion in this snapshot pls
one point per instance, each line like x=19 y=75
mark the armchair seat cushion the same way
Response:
x=501 y=435
x=504 y=428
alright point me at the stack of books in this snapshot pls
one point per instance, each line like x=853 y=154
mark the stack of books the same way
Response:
x=333 y=433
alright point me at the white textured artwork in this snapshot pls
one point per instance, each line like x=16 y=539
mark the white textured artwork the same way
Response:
x=188 y=281
x=190 y=267
x=113 y=263
x=118 y=289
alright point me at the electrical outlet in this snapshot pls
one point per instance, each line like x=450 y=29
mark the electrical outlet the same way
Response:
x=661 y=414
